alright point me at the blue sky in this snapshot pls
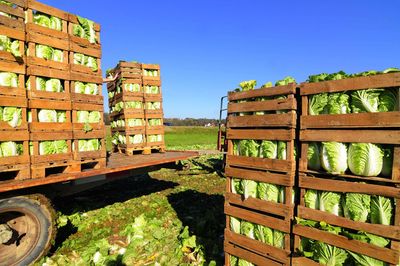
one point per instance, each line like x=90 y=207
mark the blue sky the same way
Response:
x=205 y=48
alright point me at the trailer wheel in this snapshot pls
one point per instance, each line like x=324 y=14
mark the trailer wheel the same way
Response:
x=26 y=229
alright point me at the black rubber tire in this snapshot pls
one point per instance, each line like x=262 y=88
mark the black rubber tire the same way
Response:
x=39 y=207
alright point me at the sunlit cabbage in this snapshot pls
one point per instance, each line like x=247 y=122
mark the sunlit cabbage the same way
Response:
x=44 y=51
x=313 y=156
x=311 y=199
x=356 y=206
x=82 y=116
x=79 y=87
x=41 y=84
x=247 y=85
x=264 y=234
x=45 y=115
x=12 y=115
x=9 y=45
x=236 y=186
x=361 y=260
x=249 y=188
x=136 y=139
x=365 y=159
x=247 y=229
x=329 y=202
x=279 y=239
x=77 y=30
x=61 y=116
x=154 y=138
x=365 y=101
x=235 y=225
x=329 y=255
x=269 y=192
x=388 y=100
x=55 y=23
x=53 y=147
x=54 y=85
x=9 y=148
x=88 y=27
x=92 y=63
x=151 y=89
x=154 y=122
x=249 y=148
x=132 y=87
x=93 y=144
x=80 y=59
x=268 y=149
x=134 y=105
x=42 y=20
x=285 y=81
x=134 y=122
x=94 y=117
x=243 y=262
x=338 y=103
x=318 y=104
x=281 y=150
x=381 y=210
x=334 y=157
x=8 y=79
x=58 y=55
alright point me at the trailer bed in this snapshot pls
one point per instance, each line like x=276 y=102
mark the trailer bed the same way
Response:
x=115 y=163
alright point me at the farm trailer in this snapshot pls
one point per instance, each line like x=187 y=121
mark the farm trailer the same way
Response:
x=27 y=218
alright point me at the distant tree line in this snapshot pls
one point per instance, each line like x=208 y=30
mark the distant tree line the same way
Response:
x=179 y=121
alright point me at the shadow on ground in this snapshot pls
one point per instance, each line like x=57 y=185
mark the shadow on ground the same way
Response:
x=204 y=215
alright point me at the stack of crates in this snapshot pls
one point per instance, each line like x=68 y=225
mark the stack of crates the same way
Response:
x=44 y=84
x=14 y=133
x=87 y=100
x=377 y=192
x=135 y=103
x=260 y=170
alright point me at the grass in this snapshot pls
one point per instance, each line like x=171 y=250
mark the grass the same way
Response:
x=184 y=138
x=191 y=138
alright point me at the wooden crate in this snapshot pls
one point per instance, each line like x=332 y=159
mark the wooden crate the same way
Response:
x=152 y=99
x=154 y=116
x=36 y=104
x=17 y=19
x=150 y=67
x=248 y=255
x=95 y=134
x=19 y=102
x=20 y=90
x=152 y=83
x=40 y=71
x=129 y=148
x=123 y=92
x=80 y=106
x=75 y=68
x=16 y=34
x=34 y=6
x=126 y=117
x=352 y=136
x=129 y=70
x=75 y=40
x=358 y=120
x=15 y=167
x=86 y=98
x=272 y=119
x=281 y=255
x=52 y=160
x=34 y=38
x=159 y=131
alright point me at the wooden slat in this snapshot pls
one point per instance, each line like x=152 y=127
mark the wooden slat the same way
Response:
x=49 y=104
x=263 y=92
x=32 y=27
x=12 y=67
x=258 y=247
x=50 y=126
x=261 y=163
x=78 y=76
x=42 y=136
x=87 y=106
x=48 y=72
x=64 y=66
x=268 y=120
x=302 y=261
x=13 y=23
x=261 y=134
x=268 y=105
x=371 y=250
x=344 y=186
x=257 y=218
x=12 y=33
x=94 y=134
x=354 y=135
x=388 y=231
x=38 y=38
x=357 y=83
x=286 y=211
x=249 y=256
x=379 y=120
x=14 y=135
x=17 y=12
x=35 y=5
x=260 y=176
x=85 y=50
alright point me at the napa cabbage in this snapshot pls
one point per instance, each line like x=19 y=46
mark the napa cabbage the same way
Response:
x=269 y=192
x=313 y=156
x=11 y=115
x=249 y=188
x=334 y=157
x=365 y=159
x=356 y=206
x=8 y=79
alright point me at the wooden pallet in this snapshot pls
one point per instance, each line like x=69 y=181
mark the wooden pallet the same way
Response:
x=19 y=102
x=95 y=134
x=356 y=121
x=141 y=150
x=33 y=6
x=36 y=104
x=348 y=136
x=16 y=34
x=248 y=255
x=17 y=21
x=75 y=40
x=267 y=120
x=14 y=172
x=80 y=106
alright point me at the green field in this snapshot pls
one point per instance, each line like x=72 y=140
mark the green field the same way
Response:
x=191 y=138
x=184 y=138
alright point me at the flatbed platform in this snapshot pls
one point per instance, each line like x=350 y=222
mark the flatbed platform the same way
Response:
x=115 y=163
